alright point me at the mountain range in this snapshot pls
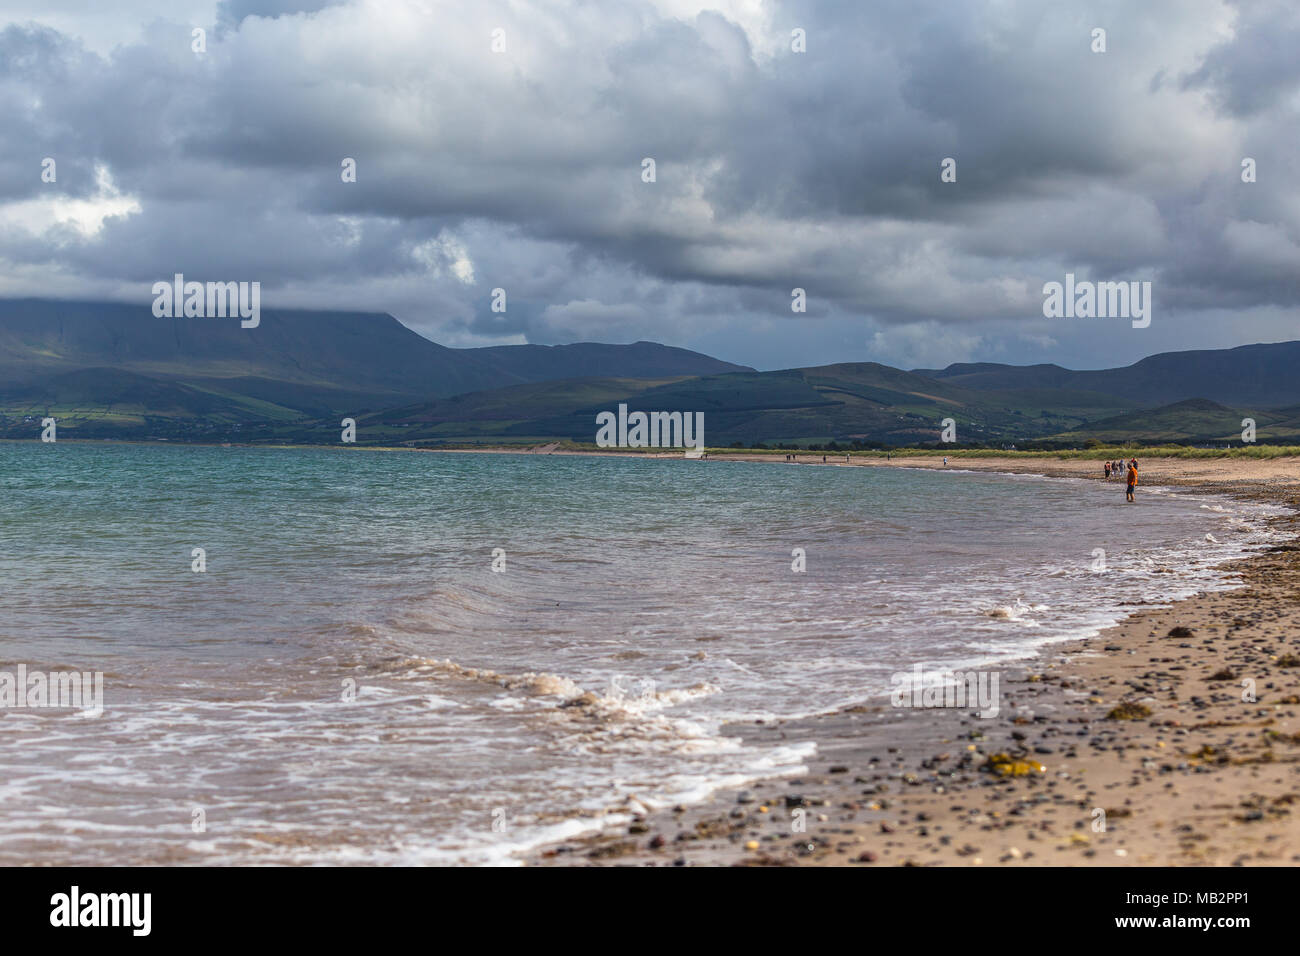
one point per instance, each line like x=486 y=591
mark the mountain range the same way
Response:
x=112 y=370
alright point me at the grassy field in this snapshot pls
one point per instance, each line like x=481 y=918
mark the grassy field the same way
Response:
x=1108 y=451
x=1088 y=454
x=1099 y=453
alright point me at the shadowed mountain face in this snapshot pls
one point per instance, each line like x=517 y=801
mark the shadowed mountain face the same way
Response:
x=873 y=403
x=318 y=359
x=111 y=370
x=862 y=401
x=1265 y=376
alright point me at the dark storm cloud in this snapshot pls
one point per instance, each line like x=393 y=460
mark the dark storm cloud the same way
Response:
x=38 y=67
x=775 y=169
x=1249 y=84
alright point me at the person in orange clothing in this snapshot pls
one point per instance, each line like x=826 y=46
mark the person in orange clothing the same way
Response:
x=1132 y=478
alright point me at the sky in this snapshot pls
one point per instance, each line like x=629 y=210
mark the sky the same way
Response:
x=796 y=145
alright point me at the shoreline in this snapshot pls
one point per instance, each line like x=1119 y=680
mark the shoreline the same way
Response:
x=861 y=456
x=1206 y=779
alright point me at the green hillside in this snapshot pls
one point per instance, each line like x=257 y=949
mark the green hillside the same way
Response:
x=1251 y=376
x=116 y=371
x=864 y=402
x=1193 y=421
x=111 y=369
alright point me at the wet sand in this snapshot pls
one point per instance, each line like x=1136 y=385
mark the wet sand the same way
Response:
x=1205 y=778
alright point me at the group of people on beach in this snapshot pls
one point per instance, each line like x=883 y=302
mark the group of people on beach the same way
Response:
x=1115 y=467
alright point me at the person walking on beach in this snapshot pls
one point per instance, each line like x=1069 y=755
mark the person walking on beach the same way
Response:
x=1107 y=470
x=1132 y=479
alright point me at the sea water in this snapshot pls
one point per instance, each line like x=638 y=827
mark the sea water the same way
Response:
x=412 y=657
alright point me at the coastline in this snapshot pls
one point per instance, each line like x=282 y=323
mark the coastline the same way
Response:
x=1206 y=779
x=1203 y=780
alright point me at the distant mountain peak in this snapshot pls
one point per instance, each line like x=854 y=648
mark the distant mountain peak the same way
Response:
x=355 y=352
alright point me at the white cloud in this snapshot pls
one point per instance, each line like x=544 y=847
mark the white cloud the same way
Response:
x=60 y=219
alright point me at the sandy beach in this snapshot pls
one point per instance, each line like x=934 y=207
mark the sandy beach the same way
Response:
x=1140 y=746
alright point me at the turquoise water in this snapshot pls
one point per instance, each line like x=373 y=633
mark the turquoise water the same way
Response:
x=349 y=680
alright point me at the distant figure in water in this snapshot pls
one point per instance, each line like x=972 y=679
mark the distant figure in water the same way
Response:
x=1132 y=478
x=1107 y=470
